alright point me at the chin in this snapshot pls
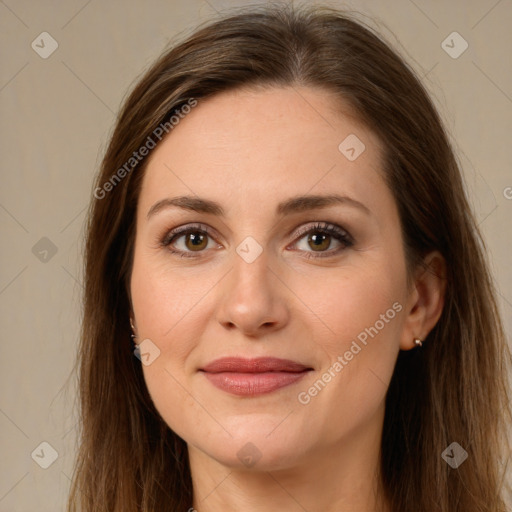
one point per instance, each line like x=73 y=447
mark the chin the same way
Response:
x=255 y=450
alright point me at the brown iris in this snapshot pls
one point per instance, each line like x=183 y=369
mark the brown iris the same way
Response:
x=320 y=241
x=196 y=241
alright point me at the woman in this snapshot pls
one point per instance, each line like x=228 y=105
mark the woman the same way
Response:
x=281 y=226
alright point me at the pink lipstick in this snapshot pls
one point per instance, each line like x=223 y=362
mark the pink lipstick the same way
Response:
x=250 y=377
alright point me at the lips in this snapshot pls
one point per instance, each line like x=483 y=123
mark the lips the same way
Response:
x=250 y=377
x=258 y=365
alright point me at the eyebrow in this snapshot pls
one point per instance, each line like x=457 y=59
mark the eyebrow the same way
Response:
x=292 y=205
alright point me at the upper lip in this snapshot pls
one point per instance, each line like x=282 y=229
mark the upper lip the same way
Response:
x=257 y=365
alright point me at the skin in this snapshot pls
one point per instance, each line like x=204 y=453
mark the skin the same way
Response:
x=249 y=150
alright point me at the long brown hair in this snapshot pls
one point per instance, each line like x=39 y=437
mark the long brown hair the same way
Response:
x=454 y=389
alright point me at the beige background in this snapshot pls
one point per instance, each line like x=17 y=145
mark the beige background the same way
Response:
x=57 y=114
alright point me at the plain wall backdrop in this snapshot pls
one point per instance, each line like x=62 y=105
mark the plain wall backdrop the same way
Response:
x=58 y=110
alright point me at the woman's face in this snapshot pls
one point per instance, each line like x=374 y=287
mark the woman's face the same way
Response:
x=259 y=278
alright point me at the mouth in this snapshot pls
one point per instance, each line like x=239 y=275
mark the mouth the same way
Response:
x=251 y=377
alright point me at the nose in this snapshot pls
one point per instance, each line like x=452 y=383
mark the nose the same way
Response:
x=252 y=299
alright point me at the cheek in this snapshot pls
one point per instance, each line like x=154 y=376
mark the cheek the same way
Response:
x=361 y=317
x=171 y=396
x=170 y=311
x=355 y=303
x=167 y=308
x=165 y=300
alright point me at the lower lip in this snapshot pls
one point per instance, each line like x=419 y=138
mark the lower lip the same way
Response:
x=251 y=384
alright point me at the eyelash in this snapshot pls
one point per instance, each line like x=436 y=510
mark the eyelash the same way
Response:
x=325 y=228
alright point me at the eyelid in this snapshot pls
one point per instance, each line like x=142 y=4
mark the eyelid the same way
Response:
x=183 y=230
x=323 y=226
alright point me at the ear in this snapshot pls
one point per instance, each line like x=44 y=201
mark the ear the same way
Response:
x=426 y=300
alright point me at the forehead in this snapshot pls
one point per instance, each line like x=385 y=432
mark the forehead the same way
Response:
x=250 y=146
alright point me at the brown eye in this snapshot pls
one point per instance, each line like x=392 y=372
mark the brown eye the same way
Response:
x=319 y=242
x=323 y=240
x=196 y=241
x=188 y=240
